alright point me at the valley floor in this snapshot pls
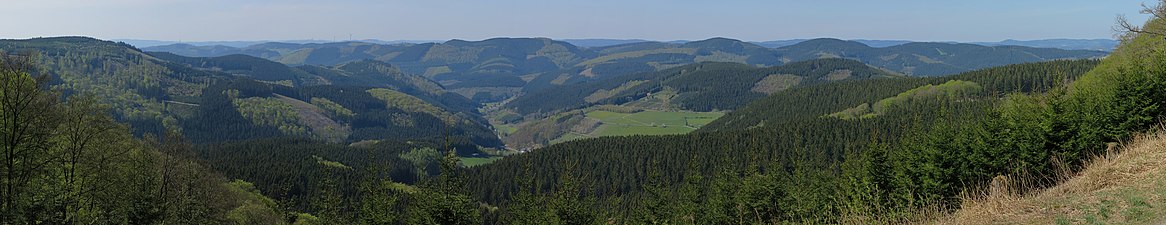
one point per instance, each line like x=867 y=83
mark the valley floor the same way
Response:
x=643 y=123
x=1125 y=187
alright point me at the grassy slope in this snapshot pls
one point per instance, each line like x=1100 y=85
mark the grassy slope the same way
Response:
x=643 y=123
x=1127 y=187
x=650 y=122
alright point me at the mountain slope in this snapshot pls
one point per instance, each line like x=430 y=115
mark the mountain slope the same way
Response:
x=777 y=108
x=363 y=73
x=238 y=97
x=928 y=59
x=195 y=51
x=665 y=102
x=593 y=43
x=1070 y=44
x=245 y=65
x=1127 y=185
x=1067 y=44
x=809 y=169
x=135 y=85
x=496 y=69
x=700 y=87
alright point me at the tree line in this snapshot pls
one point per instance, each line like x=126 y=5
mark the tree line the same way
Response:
x=69 y=162
x=801 y=166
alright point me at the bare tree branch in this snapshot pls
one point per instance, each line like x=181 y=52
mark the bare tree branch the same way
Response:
x=1127 y=31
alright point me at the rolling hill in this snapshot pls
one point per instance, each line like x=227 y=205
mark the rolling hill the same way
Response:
x=804 y=162
x=496 y=69
x=708 y=86
x=791 y=158
x=539 y=79
x=599 y=42
x=239 y=106
x=239 y=97
x=779 y=108
x=1106 y=45
x=662 y=102
x=1070 y=44
x=928 y=59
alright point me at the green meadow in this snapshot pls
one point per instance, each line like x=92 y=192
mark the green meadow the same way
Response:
x=650 y=122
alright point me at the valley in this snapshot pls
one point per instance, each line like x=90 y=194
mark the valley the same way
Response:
x=532 y=84
x=538 y=80
x=361 y=112
x=490 y=70
x=481 y=128
x=600 y=123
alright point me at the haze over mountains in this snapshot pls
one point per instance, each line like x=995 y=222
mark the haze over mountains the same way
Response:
x=347 y=102
x=496 y=69
x=285 y=113
x=1069 y=44
x=532 y=85
x=527 y=81
x=339 y=106
x=141 y=43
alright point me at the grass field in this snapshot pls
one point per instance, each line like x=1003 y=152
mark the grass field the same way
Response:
x=505 y=129
x=650 y=122
x=611 y=123
x=478 y=161
x=567 y=137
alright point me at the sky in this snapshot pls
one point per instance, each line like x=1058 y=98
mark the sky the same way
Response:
x=751 y=20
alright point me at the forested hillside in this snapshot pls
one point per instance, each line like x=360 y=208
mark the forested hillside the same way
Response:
x=69 y=159
x=69 y=162
x=928 y=59
x=816 y=101
x=353 y=138
x=785 y=159
x=534 y=130
x=670 y=101
x=1120 y=186
x=792 y=169
x=697 y=87
x=239 y=97
x=493 y=70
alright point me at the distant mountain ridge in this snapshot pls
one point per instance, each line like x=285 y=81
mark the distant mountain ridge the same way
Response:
x=929 y=58
x=141 y=43
x=872 y=43
x=1072 y=44
x=497 y=69
x=239 y=97
x=1061 y=43
x=591 y=43
x=706 y=86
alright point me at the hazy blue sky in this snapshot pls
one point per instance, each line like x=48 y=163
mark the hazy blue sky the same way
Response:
x=754 y=20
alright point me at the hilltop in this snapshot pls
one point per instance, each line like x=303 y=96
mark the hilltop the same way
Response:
x=259 y=98
x=493 y=70
x=671 y=97
x=537 y=130
x=818 y=129
x=1061 y=43
x=707 y=86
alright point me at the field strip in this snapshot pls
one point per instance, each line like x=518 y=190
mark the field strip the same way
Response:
x=633 y=120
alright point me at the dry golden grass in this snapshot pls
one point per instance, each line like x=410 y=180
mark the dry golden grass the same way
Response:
x=1124 y=186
